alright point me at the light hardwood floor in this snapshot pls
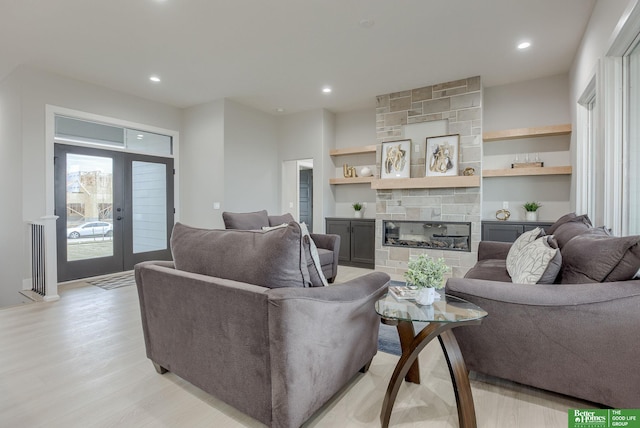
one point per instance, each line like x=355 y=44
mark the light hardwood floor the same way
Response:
x=80 y=362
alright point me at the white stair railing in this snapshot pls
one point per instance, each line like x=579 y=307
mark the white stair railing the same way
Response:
x=44 y=268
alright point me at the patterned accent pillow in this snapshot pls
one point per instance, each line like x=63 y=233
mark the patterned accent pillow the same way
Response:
x=523 y=240
x=536 y=263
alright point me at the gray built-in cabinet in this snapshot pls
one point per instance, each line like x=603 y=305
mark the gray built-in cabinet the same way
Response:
x=508 y=231
x=357 y=240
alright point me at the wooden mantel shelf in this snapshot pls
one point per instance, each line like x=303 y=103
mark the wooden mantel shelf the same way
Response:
x=353 y=150
x=541 y=131
x=426 y=182
x=352 y=180
x=514 y=172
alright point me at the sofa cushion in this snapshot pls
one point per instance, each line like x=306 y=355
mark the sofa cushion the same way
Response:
x=325 y=256
x=490 y=269
x=519 y=244
x=597 y=257
x=271 y=259
x=538 y=262
x=275 y=220
x=570 y=229
x=246 y=221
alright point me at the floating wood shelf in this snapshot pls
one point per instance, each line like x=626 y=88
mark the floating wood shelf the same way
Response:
x=514 y=172
x=426 y=182
x=354 y=180
x=353 y=150
x=541 y=131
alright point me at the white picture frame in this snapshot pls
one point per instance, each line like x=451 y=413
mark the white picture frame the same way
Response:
x=442 y=155
x=396 y=159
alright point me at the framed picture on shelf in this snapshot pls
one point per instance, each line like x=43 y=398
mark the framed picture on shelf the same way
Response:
x=442 y=155
x=396 y=159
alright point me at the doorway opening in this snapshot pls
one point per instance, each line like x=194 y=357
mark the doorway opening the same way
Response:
x=297 y=190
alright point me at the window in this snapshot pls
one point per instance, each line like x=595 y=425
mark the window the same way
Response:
x=633 y=150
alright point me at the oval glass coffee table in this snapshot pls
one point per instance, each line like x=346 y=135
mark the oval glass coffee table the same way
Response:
x=443 y=315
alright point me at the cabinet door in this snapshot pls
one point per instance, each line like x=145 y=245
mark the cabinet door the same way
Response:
x=501 y=232
x=342 y=228
x=363 y=235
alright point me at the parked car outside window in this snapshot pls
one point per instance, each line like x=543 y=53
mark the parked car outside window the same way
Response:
x=94 y=228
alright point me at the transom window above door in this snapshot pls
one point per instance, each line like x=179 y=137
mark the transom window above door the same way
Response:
x=72 y=130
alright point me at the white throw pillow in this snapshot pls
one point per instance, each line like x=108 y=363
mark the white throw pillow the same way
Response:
x=523 y=240
x=536 y=262
x=313 y=250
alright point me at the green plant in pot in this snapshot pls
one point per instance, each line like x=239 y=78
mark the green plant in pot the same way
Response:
x=531 y=209
x=426 y=274
x=357 y=209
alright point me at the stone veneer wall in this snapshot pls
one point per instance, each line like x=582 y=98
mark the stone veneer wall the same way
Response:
x=460 y=104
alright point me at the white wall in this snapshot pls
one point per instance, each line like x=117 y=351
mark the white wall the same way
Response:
x=306 y=135
x=252 y=170
x=12 y=229
x=354 y=129
x=202 y=165
x=538 y=102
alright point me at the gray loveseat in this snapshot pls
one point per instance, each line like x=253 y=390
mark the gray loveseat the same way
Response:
x=578 y=336
x=232 y=315
x=328 y=245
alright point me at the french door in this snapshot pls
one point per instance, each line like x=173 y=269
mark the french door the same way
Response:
x=115 y=210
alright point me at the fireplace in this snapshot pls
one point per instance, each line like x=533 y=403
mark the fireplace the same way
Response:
x=435 y=235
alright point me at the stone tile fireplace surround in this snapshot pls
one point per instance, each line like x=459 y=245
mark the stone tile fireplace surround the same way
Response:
x=460 y=104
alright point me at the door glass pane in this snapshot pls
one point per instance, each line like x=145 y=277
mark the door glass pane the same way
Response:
x=89 y=207
x=634 y=142
x=149 y=206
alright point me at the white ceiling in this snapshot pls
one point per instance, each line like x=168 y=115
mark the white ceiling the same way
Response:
x=280 y=53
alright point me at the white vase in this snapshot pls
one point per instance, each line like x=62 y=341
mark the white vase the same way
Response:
x=357 y=214
x=531 y=215
x=426 y=296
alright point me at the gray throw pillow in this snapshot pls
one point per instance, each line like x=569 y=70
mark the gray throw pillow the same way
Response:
x=271 y=259
x=246 y=221
x=313 y=259
x=275 y=220
x=597 y=257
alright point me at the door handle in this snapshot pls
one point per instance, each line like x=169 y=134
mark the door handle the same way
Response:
x=119 y=218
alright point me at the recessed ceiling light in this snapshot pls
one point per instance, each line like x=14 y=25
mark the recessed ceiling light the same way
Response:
x=280 y=110
x=140 y=136
x=524 y=45
x=366 y=23
x=154 y=79
x=326 y=90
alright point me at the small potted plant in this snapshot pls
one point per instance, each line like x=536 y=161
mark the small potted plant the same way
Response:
x=426 y=274
x=357 y=207
x=531 y=209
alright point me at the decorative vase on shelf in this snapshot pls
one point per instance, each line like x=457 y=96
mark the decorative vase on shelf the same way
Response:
x=357 y=214
x=532 y=215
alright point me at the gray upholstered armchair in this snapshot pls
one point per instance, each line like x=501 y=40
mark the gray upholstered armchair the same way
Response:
x=328 y=244
x=249 y=332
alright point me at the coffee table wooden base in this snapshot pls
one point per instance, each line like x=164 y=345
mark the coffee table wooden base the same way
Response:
x=408 y=367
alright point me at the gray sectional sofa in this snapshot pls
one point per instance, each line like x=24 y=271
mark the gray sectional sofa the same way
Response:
x=233 y=315
x=577 y=336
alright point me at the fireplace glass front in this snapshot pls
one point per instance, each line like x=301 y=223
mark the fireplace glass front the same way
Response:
x=452 y=236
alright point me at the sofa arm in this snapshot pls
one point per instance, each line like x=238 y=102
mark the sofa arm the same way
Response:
x=319 y=338
x=328 y=242
x=493 y=250
x=550 y=335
